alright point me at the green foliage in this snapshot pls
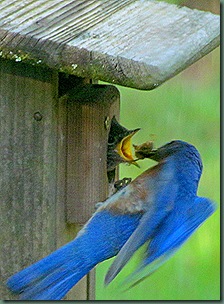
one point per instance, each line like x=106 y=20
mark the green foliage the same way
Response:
x=187 y=108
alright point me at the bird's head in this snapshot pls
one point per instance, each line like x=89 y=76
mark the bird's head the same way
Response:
x=119 y=145
x=176 y=147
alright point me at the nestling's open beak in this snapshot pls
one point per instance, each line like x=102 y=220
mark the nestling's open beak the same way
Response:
x=123 y=148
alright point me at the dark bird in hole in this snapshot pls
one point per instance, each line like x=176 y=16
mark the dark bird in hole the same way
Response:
x=119 y=147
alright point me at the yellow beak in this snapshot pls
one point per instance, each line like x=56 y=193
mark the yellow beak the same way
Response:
x=123 y=148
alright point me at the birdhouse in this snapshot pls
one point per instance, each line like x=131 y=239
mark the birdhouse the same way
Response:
x=55 y=118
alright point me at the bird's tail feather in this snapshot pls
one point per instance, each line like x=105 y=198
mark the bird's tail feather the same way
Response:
x=55 y=286
x=52 y=277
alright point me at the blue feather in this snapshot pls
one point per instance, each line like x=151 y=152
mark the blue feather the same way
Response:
x=170 y=235
x=52 y=277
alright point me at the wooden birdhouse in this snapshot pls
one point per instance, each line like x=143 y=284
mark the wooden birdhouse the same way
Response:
x=55 y=118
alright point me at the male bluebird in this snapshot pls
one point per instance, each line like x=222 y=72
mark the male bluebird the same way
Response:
x=160 y=208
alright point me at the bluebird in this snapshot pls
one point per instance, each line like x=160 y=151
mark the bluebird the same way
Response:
x=159 y=209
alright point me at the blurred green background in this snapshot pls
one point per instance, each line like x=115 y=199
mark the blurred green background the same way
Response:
x=186 y=107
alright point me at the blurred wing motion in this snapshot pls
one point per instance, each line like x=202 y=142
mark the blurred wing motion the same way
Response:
x=170 y=236
x=158 y=208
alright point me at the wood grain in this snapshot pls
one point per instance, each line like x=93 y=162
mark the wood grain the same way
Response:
x=52 y=158
x=88 y=109
x=135 y=43
x=28 y=166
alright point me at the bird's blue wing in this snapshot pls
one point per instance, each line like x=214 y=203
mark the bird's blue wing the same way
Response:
x=160 y=204
x=175 y=230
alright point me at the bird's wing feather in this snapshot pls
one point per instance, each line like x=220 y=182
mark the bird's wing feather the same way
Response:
x=159 y=206
x=172 y=234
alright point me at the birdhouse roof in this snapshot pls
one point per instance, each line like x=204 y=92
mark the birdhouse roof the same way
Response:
x=134 y=43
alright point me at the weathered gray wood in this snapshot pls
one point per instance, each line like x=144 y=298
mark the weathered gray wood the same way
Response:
x=89 y=108
x=135 y=43
x=86 y=136
x=28 y=166
x=35 y=127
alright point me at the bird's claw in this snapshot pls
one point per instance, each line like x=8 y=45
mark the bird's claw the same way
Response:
x=120 y=184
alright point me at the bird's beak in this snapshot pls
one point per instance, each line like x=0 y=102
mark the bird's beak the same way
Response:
x=145 y=150
x=152 y=153
x=123 y=148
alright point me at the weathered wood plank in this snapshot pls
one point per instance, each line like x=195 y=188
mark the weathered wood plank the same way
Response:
x=38 y=156
x=89 y=108
x=28 y=166
x=135 y=43
x=83 y=174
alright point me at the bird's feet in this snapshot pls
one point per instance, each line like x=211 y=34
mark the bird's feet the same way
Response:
x=120 y=184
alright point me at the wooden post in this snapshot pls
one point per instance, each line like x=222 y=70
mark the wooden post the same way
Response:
x=37 y=161
x=90 y=108
x=28 y=166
